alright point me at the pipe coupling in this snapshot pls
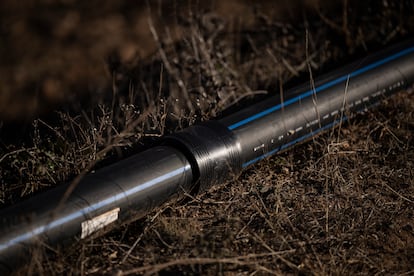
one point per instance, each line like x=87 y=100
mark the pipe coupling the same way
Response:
x=212 y=150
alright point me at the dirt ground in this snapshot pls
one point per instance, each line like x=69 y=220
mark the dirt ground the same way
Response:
x=83 y=84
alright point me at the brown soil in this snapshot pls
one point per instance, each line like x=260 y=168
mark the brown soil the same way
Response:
x=340 y=204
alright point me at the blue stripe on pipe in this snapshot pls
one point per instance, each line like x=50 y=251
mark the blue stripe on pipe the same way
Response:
x=321 y=88
x=27 y=236
x=291 y=143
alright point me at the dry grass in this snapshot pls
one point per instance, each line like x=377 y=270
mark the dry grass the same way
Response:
x=340 y=204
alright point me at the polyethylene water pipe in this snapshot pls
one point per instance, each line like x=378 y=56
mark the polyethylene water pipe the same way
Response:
x=199 y=156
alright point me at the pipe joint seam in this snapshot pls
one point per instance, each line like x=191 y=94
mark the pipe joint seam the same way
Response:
x=213 y=151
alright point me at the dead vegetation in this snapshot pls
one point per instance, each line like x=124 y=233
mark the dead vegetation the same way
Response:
x=340 y=204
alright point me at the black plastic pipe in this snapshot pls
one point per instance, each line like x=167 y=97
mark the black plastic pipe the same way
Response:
x=199 y=156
